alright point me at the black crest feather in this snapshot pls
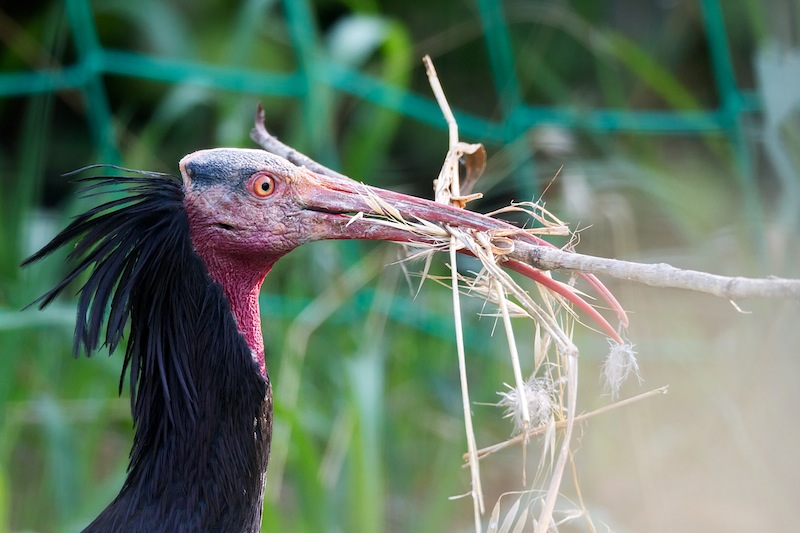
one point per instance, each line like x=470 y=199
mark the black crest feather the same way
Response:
x=138 y=249
x=202 y=410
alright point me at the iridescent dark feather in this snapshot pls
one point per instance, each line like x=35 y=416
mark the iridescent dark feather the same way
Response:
x=138 y=241
x=201 y=409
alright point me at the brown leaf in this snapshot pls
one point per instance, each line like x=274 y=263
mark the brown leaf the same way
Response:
x=474 y=158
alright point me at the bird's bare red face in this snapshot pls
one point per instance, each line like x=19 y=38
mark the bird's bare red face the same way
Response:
x=240 y=203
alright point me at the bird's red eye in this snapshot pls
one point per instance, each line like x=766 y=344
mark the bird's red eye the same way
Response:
x=262 y=184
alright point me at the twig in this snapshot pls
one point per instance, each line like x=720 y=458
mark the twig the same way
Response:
x=561 y=424
x=474 y=465
x=512 y=348
x=447 y=188
x=530 y=258
x=270 y=143
x=656 y=275
x=438 y=93
x=549 y=505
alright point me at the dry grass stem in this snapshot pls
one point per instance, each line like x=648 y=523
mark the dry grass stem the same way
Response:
x=447 y=187
x=494 y=284
x=549 y=504
x=474 y=465
x=512 y=349
x=543 y=428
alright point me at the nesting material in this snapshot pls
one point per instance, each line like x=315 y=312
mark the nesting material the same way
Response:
x=545 y=401
x=542 y=396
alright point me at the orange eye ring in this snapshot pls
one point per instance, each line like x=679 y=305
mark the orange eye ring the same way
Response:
x=262 y=184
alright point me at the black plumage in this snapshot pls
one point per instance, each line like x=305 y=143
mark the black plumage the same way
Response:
x=202 y=411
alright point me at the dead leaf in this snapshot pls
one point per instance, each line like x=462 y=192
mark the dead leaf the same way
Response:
x=474 y=159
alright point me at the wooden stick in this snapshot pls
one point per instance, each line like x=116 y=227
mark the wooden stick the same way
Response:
x=657 y=274
x=270 y=143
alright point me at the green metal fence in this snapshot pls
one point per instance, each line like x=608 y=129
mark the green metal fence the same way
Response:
x=94 y=61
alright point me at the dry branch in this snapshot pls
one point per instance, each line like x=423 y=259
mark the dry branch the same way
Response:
x=270 y=143
x=657 y=274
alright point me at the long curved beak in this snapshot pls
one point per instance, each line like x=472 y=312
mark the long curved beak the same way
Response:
x=357 y=211
x=300 y=205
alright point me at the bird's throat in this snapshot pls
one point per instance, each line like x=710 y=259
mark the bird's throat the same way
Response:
x=244 y=304
x=242 y=286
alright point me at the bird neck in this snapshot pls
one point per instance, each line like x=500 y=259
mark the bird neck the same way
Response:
x=242 y=286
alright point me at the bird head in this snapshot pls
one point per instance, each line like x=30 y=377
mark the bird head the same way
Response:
x=250 y=207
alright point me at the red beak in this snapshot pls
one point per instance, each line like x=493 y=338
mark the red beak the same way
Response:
x=342 y=197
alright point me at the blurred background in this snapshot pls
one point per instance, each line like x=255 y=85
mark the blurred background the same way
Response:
x=675 y=125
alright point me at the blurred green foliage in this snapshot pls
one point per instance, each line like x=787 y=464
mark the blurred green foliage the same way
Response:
x=649 y=108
